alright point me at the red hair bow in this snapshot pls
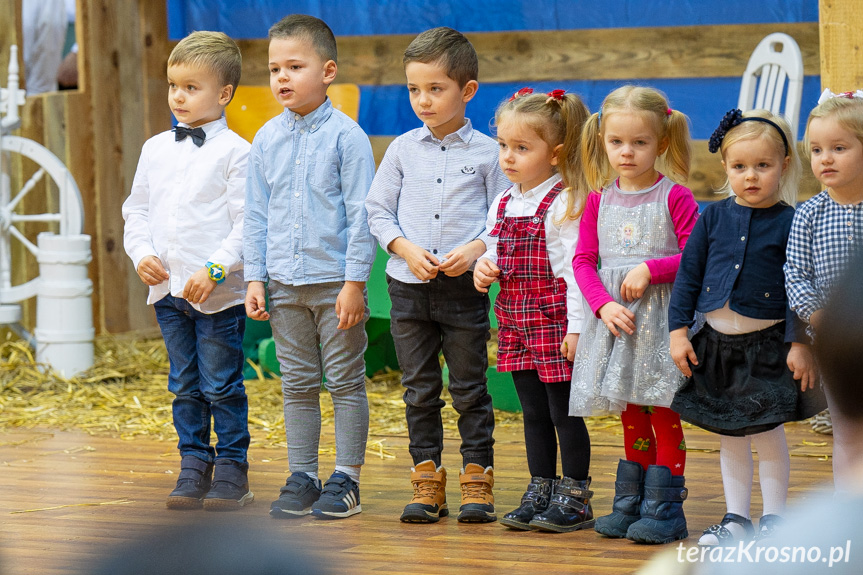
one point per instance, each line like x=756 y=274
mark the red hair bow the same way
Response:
x=556 y=94
x=520 y=93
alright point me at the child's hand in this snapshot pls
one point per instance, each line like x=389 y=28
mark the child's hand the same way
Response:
x=567 y=348
x=151 y=271
x=484 y=274
x=635 y=282
x=256 y=301
x=614 y=316
x=461 y=258
x=802 y=363
x=682 y=352
x=421 y=262
x=350 y=305
x=199 y=287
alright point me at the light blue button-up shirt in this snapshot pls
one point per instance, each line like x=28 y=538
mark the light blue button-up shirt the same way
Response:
x=305 y=220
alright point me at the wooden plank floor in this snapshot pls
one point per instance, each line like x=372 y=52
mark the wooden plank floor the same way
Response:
x=42 y=469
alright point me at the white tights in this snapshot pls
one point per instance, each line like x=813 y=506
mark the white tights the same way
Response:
x=774 y=468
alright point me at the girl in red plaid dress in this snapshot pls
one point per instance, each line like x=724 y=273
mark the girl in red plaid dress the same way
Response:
x=533 y=229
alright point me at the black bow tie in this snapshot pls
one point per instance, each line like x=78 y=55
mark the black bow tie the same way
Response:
x=198 y=134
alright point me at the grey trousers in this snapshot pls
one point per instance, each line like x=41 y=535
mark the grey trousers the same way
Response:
x=308 y=345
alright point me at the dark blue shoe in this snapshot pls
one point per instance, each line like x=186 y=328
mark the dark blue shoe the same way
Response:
x=662 y=519
x=626 y=509
x=296 y=497
x=230 y=489
x=340 y=498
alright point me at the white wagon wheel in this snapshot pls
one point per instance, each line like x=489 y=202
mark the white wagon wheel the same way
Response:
x=68 y=217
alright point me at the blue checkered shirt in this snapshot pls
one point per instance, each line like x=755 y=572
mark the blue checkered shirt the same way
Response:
x=824 y=236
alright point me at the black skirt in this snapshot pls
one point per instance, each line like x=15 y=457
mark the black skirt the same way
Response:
x=742 y=384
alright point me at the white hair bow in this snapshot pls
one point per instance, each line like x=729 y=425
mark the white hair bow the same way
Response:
x=827 y=95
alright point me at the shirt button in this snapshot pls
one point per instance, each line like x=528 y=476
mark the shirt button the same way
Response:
x=737 y=266
x=439 y=180
x=767 y=295
x=434 y=251
x=849 y=238
x=850 y=224
x=296 y=256
x=437 y=216
x=314 y=126
x=298 y=161
x=296 y=116
x=708 y=289
x=296 y=226
x=443 y=148
x=302 y=131
x=742 y=238
x=296 y=194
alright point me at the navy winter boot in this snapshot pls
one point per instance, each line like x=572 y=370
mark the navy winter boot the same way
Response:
x=626 y=509
x=662 y=519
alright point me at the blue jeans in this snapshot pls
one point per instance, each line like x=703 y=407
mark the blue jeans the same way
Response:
x=206 y=377
x=445 y=315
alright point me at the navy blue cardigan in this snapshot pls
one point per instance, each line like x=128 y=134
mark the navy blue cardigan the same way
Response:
x=736 y=254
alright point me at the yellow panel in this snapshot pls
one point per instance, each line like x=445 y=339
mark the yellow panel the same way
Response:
x=253 y=106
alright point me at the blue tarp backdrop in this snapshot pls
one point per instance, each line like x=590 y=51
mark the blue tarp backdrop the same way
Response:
x=252 y=18
x=385 y=110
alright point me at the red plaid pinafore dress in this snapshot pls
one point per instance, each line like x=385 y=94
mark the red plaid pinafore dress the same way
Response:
x=531 y=306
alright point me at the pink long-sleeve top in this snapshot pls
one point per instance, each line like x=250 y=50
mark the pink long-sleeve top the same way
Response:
x=684 y=213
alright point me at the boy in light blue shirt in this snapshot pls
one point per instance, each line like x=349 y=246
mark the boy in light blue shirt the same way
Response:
x=307 y=245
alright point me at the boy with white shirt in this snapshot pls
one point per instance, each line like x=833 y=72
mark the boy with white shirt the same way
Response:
x=184 y=233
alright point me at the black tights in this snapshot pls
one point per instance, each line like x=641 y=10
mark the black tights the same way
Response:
x=546 y=411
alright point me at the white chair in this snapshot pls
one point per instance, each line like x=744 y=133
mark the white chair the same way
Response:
x=776 y=59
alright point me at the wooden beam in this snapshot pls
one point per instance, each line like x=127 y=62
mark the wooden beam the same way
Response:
x=154 y=29
x=841 y=25
x=599 y=54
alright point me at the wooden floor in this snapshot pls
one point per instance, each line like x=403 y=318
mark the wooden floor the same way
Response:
x=53 y=482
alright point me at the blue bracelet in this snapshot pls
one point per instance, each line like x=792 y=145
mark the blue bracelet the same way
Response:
x=216 y=272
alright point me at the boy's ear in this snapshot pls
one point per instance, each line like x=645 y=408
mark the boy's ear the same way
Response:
x=555 y=154
x=226 y=94
x=469 y=91
x=330 y=70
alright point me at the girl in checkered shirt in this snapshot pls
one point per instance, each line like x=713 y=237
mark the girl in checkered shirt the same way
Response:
x=533 y=229
x=826 y=231
x=637 y=226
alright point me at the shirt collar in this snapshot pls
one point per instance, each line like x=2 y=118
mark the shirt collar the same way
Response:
x=541 y=189
x=311 y=121
x=464 y=133
x=210 y=128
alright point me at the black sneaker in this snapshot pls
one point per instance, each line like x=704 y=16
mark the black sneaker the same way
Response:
x=296 y=497
x=192 y=484
x=230 y=489
x=340 y=498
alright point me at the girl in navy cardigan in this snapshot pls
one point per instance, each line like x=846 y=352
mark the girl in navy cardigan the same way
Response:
x=742 y=364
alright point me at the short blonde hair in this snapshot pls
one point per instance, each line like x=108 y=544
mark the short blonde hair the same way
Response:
x=214 y=51
x=848 y=113
x=789 y=182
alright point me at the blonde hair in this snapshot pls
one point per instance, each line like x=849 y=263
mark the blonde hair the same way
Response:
x=848 y=113
x=557 y=122
x=670 y=124
x=789 y=181
x=214 y=51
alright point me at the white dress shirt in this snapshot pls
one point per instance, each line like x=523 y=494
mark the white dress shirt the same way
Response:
x=186 y=208
x=561 y=236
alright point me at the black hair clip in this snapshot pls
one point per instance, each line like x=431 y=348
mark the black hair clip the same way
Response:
x=729 y=120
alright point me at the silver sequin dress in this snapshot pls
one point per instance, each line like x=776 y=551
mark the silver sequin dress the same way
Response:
x=611 y=372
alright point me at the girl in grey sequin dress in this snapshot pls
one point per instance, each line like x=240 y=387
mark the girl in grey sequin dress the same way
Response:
x=636 y=228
